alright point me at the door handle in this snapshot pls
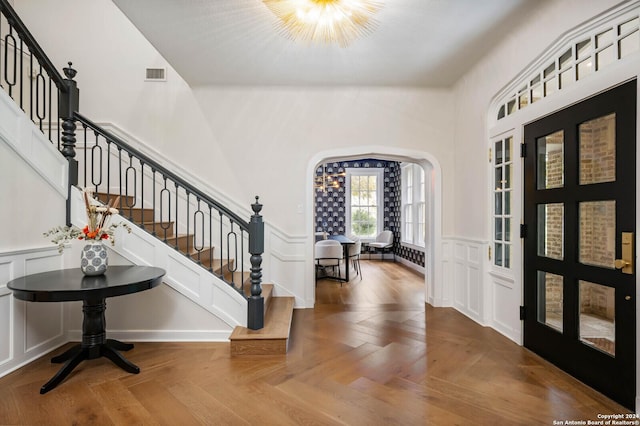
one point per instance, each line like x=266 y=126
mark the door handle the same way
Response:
x=620 y=263
x=626 y=263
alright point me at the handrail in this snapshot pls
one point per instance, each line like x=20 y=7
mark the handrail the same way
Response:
x=32 y=44
x=157 y=166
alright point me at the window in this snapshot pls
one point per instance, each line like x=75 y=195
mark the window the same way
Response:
x=589 y=52
x=364 y=204
x=502 y=187
x=413 y=204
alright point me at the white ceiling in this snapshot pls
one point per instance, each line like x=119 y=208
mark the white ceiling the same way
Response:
x=235 y=42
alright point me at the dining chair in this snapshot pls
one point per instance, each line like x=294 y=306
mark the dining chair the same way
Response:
x=328 y=253
x=383 y=243
x=354 y=254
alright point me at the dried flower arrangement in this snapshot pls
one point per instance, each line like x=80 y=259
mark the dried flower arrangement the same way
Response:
x=97 y=228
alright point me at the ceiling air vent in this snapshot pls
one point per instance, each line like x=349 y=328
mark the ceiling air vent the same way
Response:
x=156 y=74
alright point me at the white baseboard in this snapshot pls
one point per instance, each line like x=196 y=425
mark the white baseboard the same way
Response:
x=410 y=265
x=20 y=361
x=160 y=335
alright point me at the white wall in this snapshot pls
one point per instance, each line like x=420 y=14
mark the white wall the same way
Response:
x=111 y=56
x=273 y=133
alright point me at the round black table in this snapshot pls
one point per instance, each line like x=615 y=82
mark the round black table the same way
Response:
x=71 y=284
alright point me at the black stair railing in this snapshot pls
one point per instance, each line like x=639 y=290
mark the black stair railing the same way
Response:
x=156 y=199
x=27 y=75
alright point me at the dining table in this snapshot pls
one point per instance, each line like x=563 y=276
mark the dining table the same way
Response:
x=345 y=242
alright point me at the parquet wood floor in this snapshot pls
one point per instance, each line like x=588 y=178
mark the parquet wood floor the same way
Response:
x=368 y=354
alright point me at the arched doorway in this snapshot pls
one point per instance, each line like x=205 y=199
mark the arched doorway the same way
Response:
x=433 y=197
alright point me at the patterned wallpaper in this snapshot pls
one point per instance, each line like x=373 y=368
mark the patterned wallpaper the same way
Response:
x=330 y=206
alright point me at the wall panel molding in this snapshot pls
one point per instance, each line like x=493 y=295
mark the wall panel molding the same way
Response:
x=28 y=330
x=463 y=268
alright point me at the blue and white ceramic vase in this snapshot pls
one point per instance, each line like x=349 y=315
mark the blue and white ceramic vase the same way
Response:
x=93 y=259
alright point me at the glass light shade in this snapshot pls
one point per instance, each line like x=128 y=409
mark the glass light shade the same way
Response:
x=325 y=21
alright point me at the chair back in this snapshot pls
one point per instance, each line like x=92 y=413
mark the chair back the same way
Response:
x=328 y=252
x=356 y=248
x=385 y=237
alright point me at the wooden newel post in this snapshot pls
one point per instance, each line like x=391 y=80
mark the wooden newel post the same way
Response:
x=256 y=248
x=68 y=102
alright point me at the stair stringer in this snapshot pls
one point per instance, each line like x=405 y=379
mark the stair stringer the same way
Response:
x=183 y=275
x=24 y=137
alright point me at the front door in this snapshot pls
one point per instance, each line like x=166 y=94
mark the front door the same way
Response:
x=579 y=254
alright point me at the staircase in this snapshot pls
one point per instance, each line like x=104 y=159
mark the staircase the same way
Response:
x=273 y=338
x=154 y=198
x=183 y=243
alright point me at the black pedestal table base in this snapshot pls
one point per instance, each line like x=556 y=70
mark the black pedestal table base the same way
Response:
x=94 y=345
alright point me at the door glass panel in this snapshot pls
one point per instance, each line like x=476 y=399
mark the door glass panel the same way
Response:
x=585 y=68
x=550 y=86
x=598 y=233
x=550 y=300
x=498 y=204
x=597 y=317
x=498 y=181
x=498 y=152
x=498 y=226
x=507 y=150
x=507 y=202
x=629 y=25
x=583 y=48
x=566 y=78
x=523 y=99
x=604 y=38
x=507 y=176
x=507 y=255
x=551 y=230
x=536 y=93
x=565 y=59
x=605 y=57
x=629 y=44
x=498 y=254
x=550 y=155
x=550 y=70
x=598 y=150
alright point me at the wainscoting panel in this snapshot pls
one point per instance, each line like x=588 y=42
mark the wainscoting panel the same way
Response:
x=284 y=262
x=188 y=280
x=28 y=330
x=42 y=324
x=463 y=271
x=505 y=312
x=442 y=291
x=6 y=323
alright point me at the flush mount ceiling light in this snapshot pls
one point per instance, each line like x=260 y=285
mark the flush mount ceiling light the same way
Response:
x=325 y=21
